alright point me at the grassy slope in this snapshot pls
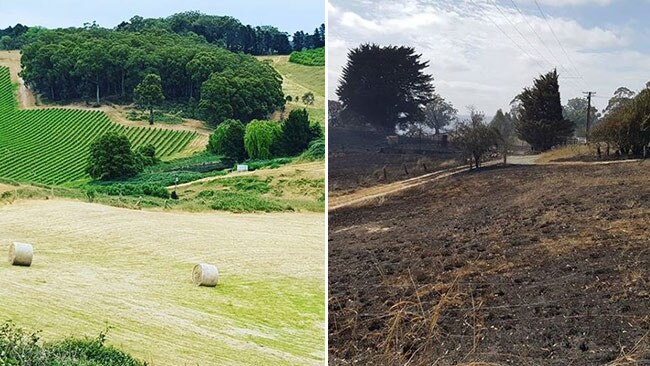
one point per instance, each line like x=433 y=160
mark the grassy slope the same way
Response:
x=97 y=266
x=299 y=79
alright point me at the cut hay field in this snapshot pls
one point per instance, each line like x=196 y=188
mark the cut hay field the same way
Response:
x=50 y=146
x=97 y=267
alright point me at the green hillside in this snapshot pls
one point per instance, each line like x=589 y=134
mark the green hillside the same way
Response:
x=298 y=80
x=50 y=146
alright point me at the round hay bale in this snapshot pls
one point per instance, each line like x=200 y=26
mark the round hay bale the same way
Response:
x=21 y=254
x=205 y=274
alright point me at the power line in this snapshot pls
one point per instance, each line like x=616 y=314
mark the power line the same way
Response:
x=510 y=38
x=576 y=86
x=541 y=40
x=521 y=34
x=558 y=42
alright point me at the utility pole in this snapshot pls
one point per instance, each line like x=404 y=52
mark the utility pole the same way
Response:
x=589 y=95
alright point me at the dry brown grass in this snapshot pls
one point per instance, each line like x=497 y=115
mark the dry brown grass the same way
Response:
x=571 y=151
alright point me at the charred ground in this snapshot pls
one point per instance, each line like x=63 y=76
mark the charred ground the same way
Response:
x=524 y=265
x=358 y=157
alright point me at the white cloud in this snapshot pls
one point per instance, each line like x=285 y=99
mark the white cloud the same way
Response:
x=473 y=62
x=560 y=3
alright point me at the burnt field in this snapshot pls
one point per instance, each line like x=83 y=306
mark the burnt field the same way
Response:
x=363 y=158
x=524 y=265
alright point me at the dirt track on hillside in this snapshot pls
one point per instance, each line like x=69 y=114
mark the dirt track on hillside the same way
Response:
x=524 y=265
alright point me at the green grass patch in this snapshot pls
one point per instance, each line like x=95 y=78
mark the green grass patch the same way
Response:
x=315 y=57
x=238 y=202
x=158 y=116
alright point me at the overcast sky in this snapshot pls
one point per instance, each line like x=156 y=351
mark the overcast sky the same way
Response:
x=287 y=15
x=603 y=44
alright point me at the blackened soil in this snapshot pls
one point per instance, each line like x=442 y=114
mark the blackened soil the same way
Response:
x=524 y=265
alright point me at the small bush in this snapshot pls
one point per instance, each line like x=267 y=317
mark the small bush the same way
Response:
x=228 y=140
x=147 y=155
x=119 y=189
x=242 y=202
x=316 y=150
x=20 y=348
x=315 y=57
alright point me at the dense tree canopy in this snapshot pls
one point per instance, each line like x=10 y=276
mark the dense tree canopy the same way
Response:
x=540 y=121
x=229 y=33
x=94 y=62
x=626 y=126
x=12 y=38
x=149 y=94
x=262 y=139
x=385 y=86
x=576 y=112
x=228 y=140
x=439 y=113
x=111 y=158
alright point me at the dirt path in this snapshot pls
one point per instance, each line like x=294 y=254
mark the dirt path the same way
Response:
x=11 y=59
x=377 y=192
x=366 y=194
x=533 y=160
x=97 y=266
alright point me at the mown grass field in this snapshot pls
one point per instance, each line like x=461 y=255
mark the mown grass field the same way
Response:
x=97 y=266
x=50 y=146
x=298 y=80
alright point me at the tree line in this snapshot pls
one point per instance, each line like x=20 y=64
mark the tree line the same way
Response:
x=625 y=127
x=209 y=82
x=12 y=38
x=228 y=32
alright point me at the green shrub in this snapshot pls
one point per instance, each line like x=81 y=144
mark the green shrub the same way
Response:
x=296 y=132
x=147 y=155
x=228 y=140
x=316 y=150
x=119 y=189
x=262 y=139
x=315 y=57
x=111 y=157
x=246 y=184
x=19 y=348
x=235 y=201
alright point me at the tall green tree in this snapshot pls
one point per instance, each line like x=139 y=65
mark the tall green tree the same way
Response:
x=296 y=132
x=386 y=86
x=576 y=111
x=504 y=128
x=91 y=65
x=621 y=96
x=111 y=158
x=228 y=140
x=149 y=94
x=262 y=139
x=439 y=113
x=474 y=137
x=540 y=121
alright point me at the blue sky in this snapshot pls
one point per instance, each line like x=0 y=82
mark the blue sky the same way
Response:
x=287 y=15
x=603 y=44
